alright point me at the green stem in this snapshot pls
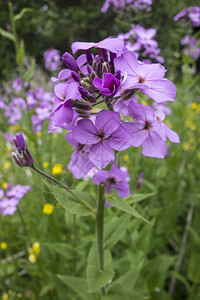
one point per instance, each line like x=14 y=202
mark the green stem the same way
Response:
x=13 y=27
x=63 y=186
x=100 y=225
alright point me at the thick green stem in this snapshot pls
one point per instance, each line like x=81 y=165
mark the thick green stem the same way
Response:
x=100 y=225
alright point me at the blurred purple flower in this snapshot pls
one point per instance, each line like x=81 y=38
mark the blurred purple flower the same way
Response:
x=52 y=59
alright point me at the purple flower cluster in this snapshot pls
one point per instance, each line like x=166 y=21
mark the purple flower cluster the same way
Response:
x=52 y=59
x=144 y=45
x=191 y=18
x=126 y=4
x=109 y=76
x=192 y=47
x=37 y=101
x=191 y=14
x=10 y=198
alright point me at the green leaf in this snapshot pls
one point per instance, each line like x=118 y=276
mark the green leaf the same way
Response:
x=7 y=34
x=195 y=236
x=115 y=230
x=78 y=285
x=21 y=52
x=124 y=206
x=72 y=203
x=193 y=267
x=63 y=249
x=30 y=72
x=22 y=12
x=138 y=197
x=98 y=278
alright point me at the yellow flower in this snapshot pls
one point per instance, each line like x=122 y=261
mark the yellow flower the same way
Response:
x=45 y=164
x=39 y=134
x=126 y=157
x=6 y=165
x=14 y=128
x=36 y=248
x=48 y=209
x=32 y=258
x=5 y=296
x=57 y=169
x=194 y=106
x=3 y=245
x=4 y=185
x=8 y=148
x=58 y=204
x=72 y=237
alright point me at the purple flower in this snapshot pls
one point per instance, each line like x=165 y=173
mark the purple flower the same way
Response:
x=18 y=191
x=8 y=206
x=146 y=77
x=52 y=59
x=22 y=156
x=106 y=134
x=79 y=164
x=165 y=132
x=138 y=184
x=144 y=36
x=193 y=13
x=146 y=131
x=17 y=85
x=108 y=86
x=111 y=44
x=63 y=114
x=70 y=62
x=115 y=179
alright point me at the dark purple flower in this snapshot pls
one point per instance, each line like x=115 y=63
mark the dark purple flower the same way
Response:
x=22 y=156
x=70 y=62
x=105 y=135
x=108 y=86
x=115 y=179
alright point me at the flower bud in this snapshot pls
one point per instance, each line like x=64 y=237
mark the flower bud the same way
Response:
x=22 y=156
x=105 y=67
x=70 y=62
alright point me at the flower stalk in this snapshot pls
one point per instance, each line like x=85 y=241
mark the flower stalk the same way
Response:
x=100 y=225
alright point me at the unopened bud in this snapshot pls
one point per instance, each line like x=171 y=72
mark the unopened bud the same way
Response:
x=105 y=67
x=22 y=156
x=127 y=94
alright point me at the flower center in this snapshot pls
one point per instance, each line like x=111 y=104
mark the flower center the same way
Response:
x=101 y=135
x=141 y=79
x=111 y=180
x=147 y=125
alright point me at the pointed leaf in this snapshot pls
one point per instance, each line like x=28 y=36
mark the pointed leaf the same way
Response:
x=98 y=278
x=7 y=34
x=134 y=198
x=78 y=285
x=76 y=202
x=124 y=206
x=115 y=230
